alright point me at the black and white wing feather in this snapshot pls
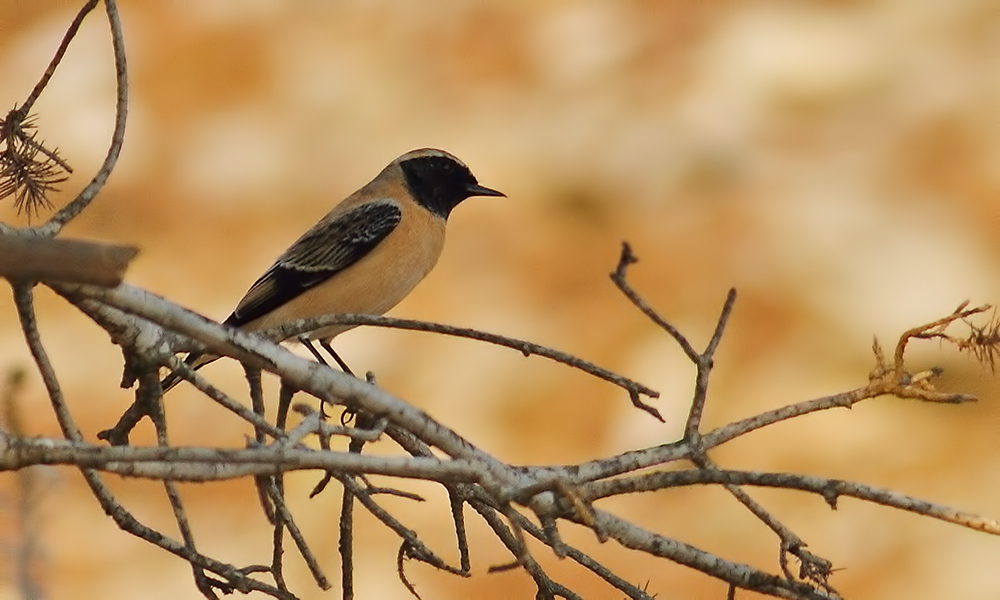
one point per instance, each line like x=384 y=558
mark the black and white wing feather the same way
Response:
x=328 y=248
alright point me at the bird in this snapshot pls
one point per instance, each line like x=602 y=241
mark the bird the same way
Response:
x=364 y=256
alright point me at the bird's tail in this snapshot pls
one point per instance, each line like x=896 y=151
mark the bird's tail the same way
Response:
x=195 y=360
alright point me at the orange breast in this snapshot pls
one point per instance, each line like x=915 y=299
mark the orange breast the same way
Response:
x=375 y=283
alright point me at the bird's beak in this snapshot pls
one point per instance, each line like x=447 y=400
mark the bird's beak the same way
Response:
x=478 y=190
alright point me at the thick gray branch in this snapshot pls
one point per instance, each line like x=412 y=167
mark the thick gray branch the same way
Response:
x=34 y=258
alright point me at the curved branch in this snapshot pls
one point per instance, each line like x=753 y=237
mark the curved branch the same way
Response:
x=87 y=195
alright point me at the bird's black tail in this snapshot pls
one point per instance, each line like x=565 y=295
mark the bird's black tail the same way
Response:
x=195 y=360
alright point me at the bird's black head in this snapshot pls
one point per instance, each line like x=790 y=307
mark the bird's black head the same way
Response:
x=439 y=181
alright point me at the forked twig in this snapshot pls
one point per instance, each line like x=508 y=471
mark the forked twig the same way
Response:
x=703 y=361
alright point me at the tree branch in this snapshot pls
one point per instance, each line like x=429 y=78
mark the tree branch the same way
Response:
x=34 y=258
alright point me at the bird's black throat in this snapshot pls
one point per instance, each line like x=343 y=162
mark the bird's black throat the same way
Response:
x=439 y=183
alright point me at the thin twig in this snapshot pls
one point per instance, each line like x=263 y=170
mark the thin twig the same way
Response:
x=456 y=503
x=818 y=567
x=285 y=517
x=626 y=259
x=277 y=569
x=830 y=489
x=635 y=389
x=149 y=386
x=87 y=195
x=261 y=482
x=507 y=533
x=134 y=413
x=71 y=32
x=401 y=556
x=705 y=362
x=25 y=303
x=702 y=361
x=345 y=543
x=417 y=549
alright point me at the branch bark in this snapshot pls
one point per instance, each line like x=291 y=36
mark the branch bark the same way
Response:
x=33 y=258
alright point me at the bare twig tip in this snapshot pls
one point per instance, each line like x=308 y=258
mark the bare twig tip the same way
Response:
x=638 y=403
x=627 y=258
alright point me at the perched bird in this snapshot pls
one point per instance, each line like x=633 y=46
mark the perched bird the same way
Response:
x=364 y=256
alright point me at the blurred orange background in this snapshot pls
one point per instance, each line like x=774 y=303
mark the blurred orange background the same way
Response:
x=836 y=162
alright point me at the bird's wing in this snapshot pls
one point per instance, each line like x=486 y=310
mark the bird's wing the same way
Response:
x=332 y=245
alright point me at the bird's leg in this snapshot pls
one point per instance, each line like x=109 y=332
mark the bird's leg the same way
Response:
x=348 y=415
x=305 y=341
x=340 y=362
x=312 y=349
